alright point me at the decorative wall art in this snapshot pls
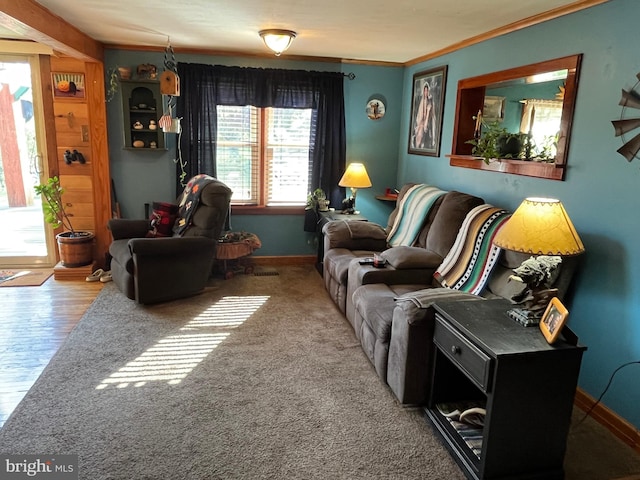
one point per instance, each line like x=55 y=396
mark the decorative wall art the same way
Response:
x=375 y=109
x=493 y=110
x=427 y=103
x=68 y=85
x=629 y=121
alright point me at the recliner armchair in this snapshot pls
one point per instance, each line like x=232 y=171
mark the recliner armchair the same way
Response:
x=152 y=270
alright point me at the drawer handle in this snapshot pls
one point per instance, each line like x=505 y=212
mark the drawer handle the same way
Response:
x=455 y=350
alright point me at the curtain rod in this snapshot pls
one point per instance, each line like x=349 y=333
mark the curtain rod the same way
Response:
x=350 y=75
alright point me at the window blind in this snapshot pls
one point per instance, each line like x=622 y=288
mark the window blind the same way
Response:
x=287 y=155
x=263 y=154
x=238 y=152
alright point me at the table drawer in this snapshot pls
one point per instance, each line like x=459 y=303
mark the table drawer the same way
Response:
x=470 y=359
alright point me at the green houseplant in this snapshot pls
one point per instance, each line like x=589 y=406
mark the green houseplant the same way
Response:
x=75 y=247
x=496 y=142
x=317 y=200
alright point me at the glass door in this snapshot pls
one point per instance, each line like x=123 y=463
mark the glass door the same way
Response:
x=25 y=241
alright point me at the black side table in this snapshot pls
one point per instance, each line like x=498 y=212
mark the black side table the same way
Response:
x=323 y=219
x=526 y=386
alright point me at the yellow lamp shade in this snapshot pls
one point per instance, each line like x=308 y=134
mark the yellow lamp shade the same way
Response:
x=540 y=226
x=355 y=177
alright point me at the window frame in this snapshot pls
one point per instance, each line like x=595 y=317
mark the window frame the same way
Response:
x=261 y=208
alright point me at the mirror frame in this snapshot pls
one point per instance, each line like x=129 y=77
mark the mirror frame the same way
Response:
x=470 y=99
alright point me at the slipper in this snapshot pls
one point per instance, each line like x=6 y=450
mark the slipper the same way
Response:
x=106 y=277
x=95 y=276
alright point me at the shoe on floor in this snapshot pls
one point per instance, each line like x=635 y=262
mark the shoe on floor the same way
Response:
x=106 y=277
x=95 y=276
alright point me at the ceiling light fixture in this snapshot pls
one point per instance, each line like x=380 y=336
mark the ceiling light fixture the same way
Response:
x=277 y=40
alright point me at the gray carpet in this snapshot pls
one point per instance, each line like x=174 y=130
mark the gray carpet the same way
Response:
x=259 y=377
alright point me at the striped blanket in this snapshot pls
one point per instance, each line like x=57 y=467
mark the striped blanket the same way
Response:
x=470 y=261
x=412 y=210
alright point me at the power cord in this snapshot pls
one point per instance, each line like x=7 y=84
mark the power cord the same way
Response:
x=588 y=412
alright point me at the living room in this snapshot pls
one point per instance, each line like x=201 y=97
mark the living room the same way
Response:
x=601 y=312
x=599 y=182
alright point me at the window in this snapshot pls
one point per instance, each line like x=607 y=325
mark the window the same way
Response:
x=263 y=154
x=546 y=116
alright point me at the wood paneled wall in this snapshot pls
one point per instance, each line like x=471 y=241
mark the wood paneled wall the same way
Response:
x=80 y=124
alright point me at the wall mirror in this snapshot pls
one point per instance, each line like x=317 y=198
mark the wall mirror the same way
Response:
x=534 y=101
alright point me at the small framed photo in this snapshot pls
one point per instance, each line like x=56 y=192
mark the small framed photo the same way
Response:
x=427 y=104
x=553 y=319
x=68 y=85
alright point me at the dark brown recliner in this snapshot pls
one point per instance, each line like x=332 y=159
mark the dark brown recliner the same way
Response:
x=152 y=270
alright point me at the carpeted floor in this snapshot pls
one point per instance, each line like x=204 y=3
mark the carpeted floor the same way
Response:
x=260 y=377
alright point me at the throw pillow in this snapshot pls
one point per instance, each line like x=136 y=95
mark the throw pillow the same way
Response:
x=163 y=216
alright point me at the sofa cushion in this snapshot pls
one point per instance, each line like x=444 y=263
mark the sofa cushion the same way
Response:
x=374 y=303
x=203 y=208
x=410 y=257
x=413 y=208
x=336 y=262
x=500 y=283
x=444 y=229
x=473 y=256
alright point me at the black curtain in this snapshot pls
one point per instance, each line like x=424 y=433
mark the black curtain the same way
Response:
x=203 y=87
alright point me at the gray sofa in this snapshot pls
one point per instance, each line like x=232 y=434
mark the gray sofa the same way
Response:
x=390 y=309
x=345 y=242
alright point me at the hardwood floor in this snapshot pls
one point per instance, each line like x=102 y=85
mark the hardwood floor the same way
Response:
x=34 y=322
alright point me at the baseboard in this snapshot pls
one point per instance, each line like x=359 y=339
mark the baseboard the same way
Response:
x=286 y=260
x=617 y=425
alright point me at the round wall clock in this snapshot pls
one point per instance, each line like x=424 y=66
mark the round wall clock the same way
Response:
x=375 y=109
x=629 y=122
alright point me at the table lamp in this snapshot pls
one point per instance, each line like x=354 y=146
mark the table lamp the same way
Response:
x=539 y=226
x=354 y=177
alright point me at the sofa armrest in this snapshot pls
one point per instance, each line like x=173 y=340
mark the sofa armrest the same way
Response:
x=402 y=258
x=367 y=274
x=354 y=235
x=415 y=305
x=128 y=228
x=172 y=246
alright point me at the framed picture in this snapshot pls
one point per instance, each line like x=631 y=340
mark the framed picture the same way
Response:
x=553 y=319
x=493 y=110
x=68 y=85
x=427 y=103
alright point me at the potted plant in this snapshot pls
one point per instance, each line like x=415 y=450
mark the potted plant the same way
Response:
x=114 y=75
x=496 y=142
x=75 y=247
x=317 y=200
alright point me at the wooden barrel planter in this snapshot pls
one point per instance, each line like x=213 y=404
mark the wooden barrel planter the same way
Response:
x=75 y=251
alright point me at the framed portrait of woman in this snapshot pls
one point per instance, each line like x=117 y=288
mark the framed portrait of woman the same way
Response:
x=427 y=104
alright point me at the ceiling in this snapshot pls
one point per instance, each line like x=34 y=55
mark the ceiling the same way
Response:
x=397 y=31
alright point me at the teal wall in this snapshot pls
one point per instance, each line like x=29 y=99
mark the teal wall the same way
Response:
x=600 y=191
x=601 y=188
x=145 y=177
